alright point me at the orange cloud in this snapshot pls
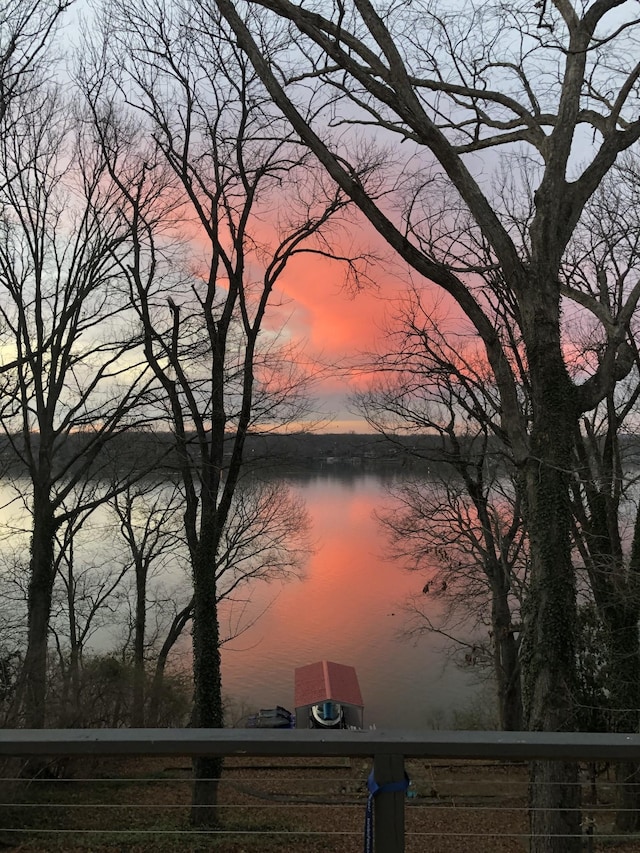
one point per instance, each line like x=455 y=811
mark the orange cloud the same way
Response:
x=334 y=320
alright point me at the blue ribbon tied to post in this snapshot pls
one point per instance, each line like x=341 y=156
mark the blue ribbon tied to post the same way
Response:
x=375 y=789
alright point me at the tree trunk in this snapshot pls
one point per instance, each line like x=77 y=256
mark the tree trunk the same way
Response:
x=506 y=660
x=548 y=647
x=208 y=712
x=625 y=694
x=509 y=686
x=39 y=609
x=155 y=692
x=72 y=707
x=554 y=802
x=137 y=712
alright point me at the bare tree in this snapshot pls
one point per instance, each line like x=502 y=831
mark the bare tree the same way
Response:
x=72 y=380
x=26 y=30
x=88 y=588
x=604 y=262
x=232 y=163
x=265 y=540
x=148 y=520
x=454 y=83
x=430 y=382
x=475 y=556
x=464 y=521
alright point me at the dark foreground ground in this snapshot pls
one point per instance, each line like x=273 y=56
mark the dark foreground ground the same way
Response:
x=305 y=805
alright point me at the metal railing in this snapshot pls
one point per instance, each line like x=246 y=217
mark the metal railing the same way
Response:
x=388 y=749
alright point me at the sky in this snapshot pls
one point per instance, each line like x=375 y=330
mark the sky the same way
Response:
x=338 y=329
x=335 y=327
x=335 y=330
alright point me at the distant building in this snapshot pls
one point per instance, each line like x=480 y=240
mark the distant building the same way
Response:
x=327 y=696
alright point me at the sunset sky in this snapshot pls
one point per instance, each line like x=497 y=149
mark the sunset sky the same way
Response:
x=338 y=328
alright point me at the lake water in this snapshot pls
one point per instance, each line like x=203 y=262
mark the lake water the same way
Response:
x=347 y=609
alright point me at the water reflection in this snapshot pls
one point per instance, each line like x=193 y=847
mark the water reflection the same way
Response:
x=347 y=609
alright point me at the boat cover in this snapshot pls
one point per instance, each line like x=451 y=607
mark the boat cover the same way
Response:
x=319 y=682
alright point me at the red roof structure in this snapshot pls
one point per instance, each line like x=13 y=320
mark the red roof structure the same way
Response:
x=323 y=681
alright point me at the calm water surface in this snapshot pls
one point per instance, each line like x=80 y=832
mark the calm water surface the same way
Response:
x=347 y=609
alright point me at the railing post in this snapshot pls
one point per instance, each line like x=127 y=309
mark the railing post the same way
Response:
x=388 y=808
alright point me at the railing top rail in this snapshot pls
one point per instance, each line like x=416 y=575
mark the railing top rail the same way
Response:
x=301 y=742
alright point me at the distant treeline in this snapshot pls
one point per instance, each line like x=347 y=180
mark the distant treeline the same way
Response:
x=155 y=451
x=146 y=450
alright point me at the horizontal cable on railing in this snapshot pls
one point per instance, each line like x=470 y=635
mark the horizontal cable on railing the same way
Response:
x=170 y=806
x=609 y=836
x=524 y=835
x=443 y=785
x=350 y=804
x=156 y=780
x=185 y=832
x=231 y=779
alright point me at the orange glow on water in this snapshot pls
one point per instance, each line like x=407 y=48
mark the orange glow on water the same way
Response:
x=346 y=609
